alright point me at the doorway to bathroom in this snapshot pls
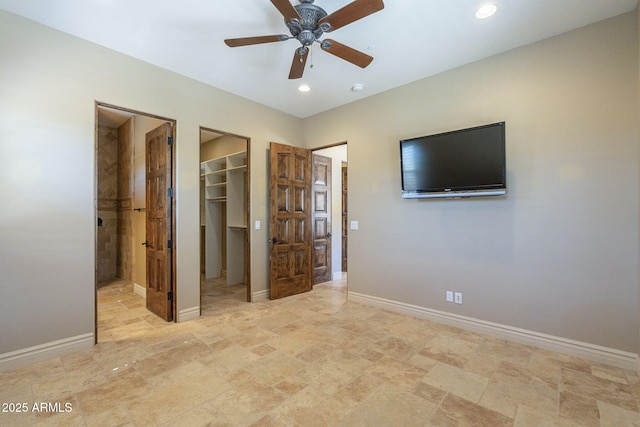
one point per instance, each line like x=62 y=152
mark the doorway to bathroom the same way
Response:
x=135 y=254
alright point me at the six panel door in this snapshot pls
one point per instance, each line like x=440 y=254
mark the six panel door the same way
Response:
x=159 y=224
x=290 y=261
x=321 y=205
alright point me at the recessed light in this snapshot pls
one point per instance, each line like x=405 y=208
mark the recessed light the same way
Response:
x=304 y=88
x=358 y=87
x=486 y=10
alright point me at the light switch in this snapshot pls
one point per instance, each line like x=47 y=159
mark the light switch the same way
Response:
x=354 y=225
x=257 y=225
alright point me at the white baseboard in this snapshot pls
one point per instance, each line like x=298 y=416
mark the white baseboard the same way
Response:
x=596 y=353
x=140 y=290
x=260 y=296
x=27 y=356
x=188 y=314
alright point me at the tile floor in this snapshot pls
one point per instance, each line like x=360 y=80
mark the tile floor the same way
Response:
x=309 y=360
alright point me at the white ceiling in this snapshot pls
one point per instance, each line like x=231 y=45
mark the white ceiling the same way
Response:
x=409 y=39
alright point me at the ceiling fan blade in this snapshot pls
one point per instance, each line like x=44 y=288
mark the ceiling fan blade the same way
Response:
x=286 y=9
x=347 y=53
x=246 y=41
x=355 y=10
x=297 y=66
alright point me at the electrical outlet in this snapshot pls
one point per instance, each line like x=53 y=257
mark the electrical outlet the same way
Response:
x=458 y=298
x=449 y=296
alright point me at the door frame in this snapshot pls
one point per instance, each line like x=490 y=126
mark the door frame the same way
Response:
x=247 y=205
x=174 y=253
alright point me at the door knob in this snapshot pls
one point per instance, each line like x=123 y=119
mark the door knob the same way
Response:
x=145 y=243
x=273 y=240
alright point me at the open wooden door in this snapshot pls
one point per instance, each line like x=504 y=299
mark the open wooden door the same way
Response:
x=159 y=143
x=290 y=263
x=321 y=197
x=344 y=217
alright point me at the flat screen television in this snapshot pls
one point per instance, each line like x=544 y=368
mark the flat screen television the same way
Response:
x=461 y=163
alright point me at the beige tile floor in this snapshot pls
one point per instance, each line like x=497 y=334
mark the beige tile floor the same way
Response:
x=310 y=360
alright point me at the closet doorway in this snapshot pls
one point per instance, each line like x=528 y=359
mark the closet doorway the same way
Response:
x=224 y=218
x=132 y=149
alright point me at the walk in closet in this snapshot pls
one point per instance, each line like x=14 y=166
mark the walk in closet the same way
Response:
x=224 y=210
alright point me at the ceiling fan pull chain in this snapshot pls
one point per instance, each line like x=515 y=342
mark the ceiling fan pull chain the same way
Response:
x=311 y=53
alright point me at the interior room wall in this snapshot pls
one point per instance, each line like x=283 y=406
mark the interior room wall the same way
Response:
x=559 y=254
x=47 y=165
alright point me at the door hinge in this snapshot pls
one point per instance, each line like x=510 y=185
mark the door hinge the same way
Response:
x=170 y=140
x=168 y=244
x=170 y=296
x=169 y=192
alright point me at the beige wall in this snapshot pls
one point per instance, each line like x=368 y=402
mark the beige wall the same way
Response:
x=557 y=255
x=49 y=84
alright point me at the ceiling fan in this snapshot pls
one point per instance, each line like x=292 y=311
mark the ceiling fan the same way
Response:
x=307 y=22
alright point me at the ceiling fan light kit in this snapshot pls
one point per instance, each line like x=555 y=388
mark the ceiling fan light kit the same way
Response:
x=307 y=23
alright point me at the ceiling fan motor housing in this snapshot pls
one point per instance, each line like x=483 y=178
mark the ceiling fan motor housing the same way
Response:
x=307 y=31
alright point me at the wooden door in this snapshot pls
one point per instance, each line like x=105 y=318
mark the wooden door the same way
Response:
x=290 y=264
x=159 y=143
x=321 y=206
x=344 y=217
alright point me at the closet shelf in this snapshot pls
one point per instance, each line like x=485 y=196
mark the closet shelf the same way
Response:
x=225 y=189
x=237 y=168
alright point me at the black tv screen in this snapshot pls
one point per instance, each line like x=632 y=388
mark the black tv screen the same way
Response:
x=460 y=163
